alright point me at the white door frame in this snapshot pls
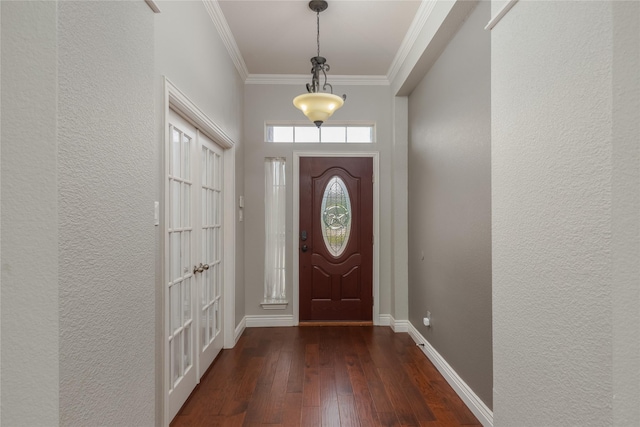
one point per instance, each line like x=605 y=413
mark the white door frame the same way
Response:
x=181 y=104
x=376 y=226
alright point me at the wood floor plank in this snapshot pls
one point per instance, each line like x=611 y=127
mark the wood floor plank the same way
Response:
x=432 y=396
x=257 y=405
x=398 y=398
x=332 y=376
x=310 y=416
x=330 y=414
x=348 y=413
x=292 y=411
x=274 y=413
x=328 y=391
x=295 y=381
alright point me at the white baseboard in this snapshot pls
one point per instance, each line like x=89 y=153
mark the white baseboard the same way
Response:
x=396 y=325
x=239 y=330
x=385 y=320
x=477 y=406
x=262 y=321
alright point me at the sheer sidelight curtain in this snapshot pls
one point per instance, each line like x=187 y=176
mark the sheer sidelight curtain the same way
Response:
x=275 y=204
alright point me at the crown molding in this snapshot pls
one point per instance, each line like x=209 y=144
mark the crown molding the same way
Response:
x=216 y=15
x=424 y=10
x=302 y=79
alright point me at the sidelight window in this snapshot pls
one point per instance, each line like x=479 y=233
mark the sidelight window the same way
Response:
x=275 y=205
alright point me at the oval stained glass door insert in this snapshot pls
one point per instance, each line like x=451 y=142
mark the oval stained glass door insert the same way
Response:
x=335 y=216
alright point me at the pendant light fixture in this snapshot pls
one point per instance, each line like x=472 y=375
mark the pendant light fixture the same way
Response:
x=318 y=104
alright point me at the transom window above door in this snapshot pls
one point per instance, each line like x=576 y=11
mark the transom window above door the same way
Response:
x=327 y=134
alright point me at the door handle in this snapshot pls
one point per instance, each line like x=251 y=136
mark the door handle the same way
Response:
x=304 y=248
x=206 y=266
x=199 y=268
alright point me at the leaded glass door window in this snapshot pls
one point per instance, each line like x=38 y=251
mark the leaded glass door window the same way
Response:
x=335 y=216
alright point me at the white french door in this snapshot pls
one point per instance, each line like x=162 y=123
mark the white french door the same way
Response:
x=210 y=237
x=193 y=258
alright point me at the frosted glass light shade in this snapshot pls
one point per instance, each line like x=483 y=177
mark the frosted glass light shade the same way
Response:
x=318 y=106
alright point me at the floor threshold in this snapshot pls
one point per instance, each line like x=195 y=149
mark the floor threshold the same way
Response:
x=335 y=323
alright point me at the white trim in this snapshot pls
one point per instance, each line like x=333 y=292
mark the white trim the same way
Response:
x=505 y=9
x=153 y=5
x=475 y=404
x=385 y=320
x=375 y=155
x=401 y=326
x=424 y=10
x=182 y=105
x=302 y=79
x=274 y=305
x=229 y=241
x=396 y=325
x=260 y=321
x=239 y=330
x=216 y=15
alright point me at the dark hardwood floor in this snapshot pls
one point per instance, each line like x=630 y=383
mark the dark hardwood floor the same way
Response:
x=324 y=376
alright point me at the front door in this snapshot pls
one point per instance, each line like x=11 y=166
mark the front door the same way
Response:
x=336 y=238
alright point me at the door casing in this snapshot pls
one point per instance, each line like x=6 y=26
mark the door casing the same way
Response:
x=376 y=226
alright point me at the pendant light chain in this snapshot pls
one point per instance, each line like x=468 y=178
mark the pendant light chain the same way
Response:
x=318 y=27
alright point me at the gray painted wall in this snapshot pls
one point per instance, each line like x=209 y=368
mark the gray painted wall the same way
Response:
x=565 y=176
x=450 y=204
x=273 y=102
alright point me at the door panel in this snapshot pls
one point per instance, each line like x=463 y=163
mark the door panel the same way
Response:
x=336 y=259
x=181 y=337
x=211 y=339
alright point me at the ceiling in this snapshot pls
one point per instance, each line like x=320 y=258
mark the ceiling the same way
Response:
x=358 y=37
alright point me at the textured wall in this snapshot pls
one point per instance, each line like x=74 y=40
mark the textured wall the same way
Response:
x=29 y=206
x=273 y=102
x=552 y=213
x=106 y=184
x=450 y=204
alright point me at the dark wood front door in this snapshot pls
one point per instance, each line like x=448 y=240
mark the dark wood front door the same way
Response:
x=336 y=238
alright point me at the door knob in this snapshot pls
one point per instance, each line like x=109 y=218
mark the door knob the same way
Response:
x=304 y=248
x=198 y=268
x=206 y=266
